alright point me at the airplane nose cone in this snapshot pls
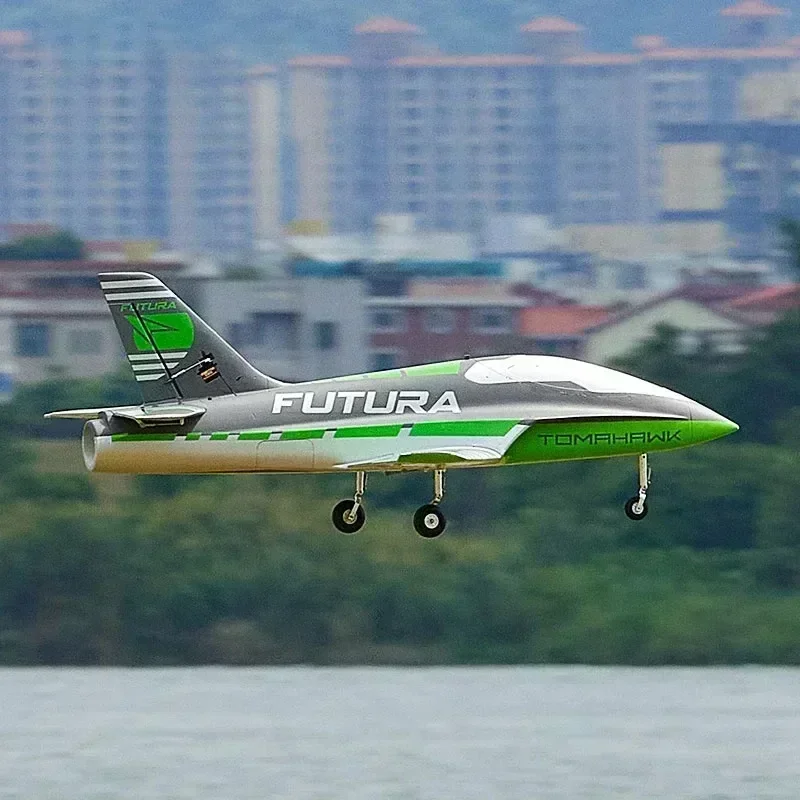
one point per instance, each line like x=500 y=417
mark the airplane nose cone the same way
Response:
x=707 y=425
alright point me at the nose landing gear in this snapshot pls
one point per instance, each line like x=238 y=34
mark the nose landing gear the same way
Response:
x=636 y=507
x=429 y=522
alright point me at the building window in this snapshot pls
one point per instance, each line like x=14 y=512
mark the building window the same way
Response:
x=325 y=335
x=492 y=320
x=384 y=359
x=390 y=320
x=33 y=340
x=440 y=320
x=84 y=342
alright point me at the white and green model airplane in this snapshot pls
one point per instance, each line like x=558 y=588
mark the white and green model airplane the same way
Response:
x=207 y=410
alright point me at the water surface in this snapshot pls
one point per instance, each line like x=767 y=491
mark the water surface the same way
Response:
x=427 y=734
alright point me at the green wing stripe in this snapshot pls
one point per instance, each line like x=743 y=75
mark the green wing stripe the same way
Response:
x=252 y=436
x=465 y=428
x=369 y=431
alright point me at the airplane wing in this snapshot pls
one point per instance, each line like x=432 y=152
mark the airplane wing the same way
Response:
x=432 y=457
x=142 y=415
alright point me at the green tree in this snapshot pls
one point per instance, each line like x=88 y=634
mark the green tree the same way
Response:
x=58 y=246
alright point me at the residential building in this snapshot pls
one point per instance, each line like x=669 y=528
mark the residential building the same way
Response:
x=754 y=169
x=764 y=306
x=54 y=320
x=440 y=321
x=292 y=329
x=699 y=313
x=394 y=126
x=560 y=330
x=108 y=133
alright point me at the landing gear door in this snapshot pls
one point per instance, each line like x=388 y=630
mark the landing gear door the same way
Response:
x=285 y=456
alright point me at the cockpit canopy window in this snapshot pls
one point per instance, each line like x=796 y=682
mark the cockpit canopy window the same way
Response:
x=561 y=372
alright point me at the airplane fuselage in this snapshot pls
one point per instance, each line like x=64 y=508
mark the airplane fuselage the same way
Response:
x=477 y=412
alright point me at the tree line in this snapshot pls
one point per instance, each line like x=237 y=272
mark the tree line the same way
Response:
x=539 y=563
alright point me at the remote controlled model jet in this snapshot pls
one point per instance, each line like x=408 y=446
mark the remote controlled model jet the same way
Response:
x=207 y=410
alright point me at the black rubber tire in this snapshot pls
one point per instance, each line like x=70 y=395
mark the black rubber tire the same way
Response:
x=631 y=514
x=345 y=507
x=423 y=516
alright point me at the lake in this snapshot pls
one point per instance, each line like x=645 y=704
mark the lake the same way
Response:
x=485 y=733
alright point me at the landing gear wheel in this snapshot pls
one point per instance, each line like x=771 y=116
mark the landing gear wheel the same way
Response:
x=429 y=522
x=632 y=509
x=342 y=520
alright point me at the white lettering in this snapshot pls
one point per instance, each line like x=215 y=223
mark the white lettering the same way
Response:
x=284 y=400
x=370 y=408
x=310 y=408
x=412 y=401
x=349 y=399
x=447 y=402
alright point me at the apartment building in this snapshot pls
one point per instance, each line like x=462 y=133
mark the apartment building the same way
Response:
x=114 y=135
x=394 y=126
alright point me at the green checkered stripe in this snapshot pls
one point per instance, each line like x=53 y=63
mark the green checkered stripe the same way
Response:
x=493 y=428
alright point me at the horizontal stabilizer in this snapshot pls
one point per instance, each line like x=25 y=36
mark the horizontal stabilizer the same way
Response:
x=141 y=415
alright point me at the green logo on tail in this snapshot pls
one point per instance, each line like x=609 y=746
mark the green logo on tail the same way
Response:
x=168 y=331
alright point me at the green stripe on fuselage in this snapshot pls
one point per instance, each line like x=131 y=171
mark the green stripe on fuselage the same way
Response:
x=369 y=432
x=464 y=428
x=564 y=441
x=142 y=437
x=293 y=436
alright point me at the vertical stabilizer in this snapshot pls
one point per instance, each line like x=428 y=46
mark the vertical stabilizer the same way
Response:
x=172 y=352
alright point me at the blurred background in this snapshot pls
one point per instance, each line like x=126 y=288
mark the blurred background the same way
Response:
x=339 y=188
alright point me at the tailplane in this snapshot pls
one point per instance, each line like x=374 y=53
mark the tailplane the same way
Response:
x=174 y=355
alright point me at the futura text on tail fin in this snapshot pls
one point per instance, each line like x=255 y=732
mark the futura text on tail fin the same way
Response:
x=173 y=353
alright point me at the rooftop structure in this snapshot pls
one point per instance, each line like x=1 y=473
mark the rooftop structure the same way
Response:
x=552 y=128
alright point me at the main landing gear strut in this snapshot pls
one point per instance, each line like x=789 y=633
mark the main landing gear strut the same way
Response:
x=429 y=522
x=349 y=515
x=636 y=507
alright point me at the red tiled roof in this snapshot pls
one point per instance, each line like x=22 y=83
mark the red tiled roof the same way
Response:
x=320 y=61
x=773 y=298
x=386 y=25
x=561 y=321
x=500 y=60
x=550 y=25
x=753 y=8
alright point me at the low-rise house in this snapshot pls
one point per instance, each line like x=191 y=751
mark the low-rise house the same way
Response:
x=54 y=320
x=444 y=320
x=291 y=329
x=699 y=313
x=560 y=329
x=765 y=305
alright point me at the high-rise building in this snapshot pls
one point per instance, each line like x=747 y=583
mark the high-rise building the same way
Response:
x=394 y=126
x=111 y=134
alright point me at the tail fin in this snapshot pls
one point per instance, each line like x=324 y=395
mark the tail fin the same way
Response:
x=172 y=352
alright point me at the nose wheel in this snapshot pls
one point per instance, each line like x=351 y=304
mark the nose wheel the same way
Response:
x=429 y=521
x=348 y=515
x=636 y=507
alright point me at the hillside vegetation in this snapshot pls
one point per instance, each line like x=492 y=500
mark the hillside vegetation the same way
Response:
x=539 y=563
